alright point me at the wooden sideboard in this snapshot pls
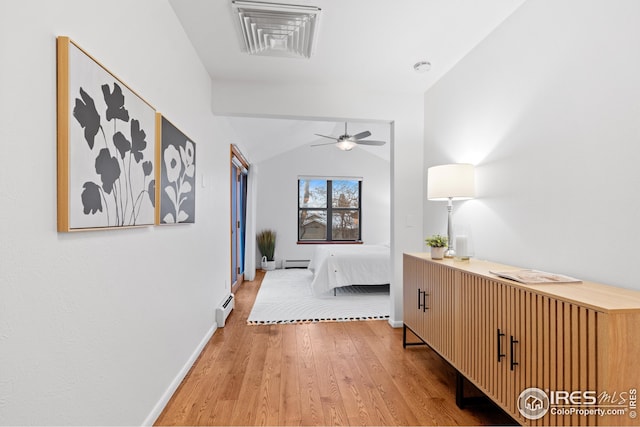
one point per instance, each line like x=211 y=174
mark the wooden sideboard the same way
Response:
x=574 y=341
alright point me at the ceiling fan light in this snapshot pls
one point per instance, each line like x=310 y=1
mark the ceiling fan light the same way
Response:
x=346 y=145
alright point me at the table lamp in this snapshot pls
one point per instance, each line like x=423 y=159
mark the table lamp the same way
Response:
x=451 y=182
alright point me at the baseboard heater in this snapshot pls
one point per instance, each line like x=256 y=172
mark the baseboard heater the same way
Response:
x=295 y=263
x=223 y=311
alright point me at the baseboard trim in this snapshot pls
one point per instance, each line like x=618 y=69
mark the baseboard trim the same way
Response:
x=396 y=323
x=166 y=396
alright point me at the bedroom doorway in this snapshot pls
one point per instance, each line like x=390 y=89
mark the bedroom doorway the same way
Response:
x=239 y=171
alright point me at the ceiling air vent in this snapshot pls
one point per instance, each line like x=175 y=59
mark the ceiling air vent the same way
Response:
x=276 y=29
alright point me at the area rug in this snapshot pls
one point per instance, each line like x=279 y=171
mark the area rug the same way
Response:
x=285 y=296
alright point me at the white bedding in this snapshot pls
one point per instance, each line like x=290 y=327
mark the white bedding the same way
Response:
x=335 y=266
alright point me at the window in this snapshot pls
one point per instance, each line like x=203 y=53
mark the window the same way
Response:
x=329 y=209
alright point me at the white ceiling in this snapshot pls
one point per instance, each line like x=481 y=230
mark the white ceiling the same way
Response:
x=364 y=44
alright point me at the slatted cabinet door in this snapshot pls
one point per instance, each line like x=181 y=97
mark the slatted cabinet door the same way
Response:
x=518 y=337
x=489 y=311
x=505 y=319
x=440 y=309
x=477 y=360
x=575 y=352
x=485 y=310
x=553 y=349
x=413 y=297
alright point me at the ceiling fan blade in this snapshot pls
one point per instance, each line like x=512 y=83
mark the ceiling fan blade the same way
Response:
x=370 y=142
x=326 y=143
x=360 y=135
x=325 y=136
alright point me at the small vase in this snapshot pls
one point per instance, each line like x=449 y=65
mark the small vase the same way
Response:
x=437 y=253
x=267 y=265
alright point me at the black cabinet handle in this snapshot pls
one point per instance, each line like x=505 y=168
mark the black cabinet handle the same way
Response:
x=500 y=353
x=422 y=300
x=513 y=344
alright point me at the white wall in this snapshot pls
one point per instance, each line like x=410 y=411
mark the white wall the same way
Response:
x=277 y=203
x=96 y=326
x=404 y=110
x=547 y=107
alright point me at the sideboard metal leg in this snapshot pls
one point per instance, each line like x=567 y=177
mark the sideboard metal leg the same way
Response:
x=404 y=336
x=461 y=400
x=406 y=344
x=459 y=390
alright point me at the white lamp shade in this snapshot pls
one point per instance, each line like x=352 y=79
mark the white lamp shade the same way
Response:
x=455 y=181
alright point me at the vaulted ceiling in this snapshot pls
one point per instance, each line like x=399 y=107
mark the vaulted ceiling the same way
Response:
x=289 y=134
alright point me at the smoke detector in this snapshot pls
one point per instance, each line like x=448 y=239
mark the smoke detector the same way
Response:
x=422 y=66
x=276 y=29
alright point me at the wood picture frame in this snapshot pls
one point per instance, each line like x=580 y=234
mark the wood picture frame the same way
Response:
x=176 y=175
x=106 y=146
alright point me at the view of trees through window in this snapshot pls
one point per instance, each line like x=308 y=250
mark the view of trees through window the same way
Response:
x=329 y=209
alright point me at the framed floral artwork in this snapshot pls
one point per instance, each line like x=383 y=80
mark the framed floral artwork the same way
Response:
x=176 y=194
x=106 y=147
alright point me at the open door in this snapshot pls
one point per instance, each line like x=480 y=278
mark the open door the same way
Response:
x=239 y=170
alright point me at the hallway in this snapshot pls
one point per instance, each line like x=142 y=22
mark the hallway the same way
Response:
x=333 y=373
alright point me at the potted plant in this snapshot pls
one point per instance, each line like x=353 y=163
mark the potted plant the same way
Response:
x=438 y=244
x=267 y=245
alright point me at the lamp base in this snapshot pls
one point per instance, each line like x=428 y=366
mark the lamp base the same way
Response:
x=449 y=253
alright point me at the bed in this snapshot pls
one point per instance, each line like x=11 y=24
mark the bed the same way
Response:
x=336 y=266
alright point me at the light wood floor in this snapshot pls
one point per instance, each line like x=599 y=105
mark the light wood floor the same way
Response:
x=333 y=373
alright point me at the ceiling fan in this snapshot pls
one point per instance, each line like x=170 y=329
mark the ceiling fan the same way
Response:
x=346 y=142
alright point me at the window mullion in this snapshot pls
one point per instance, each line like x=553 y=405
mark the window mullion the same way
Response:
x=329 y=210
